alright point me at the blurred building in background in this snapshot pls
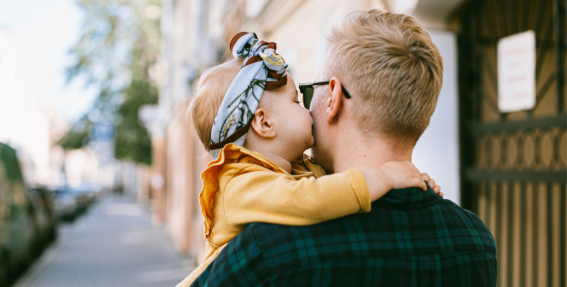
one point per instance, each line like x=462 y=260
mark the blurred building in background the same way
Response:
x=193 y=40
x=508 y=166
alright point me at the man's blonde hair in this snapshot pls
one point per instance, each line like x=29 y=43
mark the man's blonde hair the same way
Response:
x=210 y=91
x=392 y=69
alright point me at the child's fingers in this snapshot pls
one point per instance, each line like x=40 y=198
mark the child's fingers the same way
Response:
x=425 y=176
x=432 y=183
x=437 y=189
x=420 y=183
x=441 y=194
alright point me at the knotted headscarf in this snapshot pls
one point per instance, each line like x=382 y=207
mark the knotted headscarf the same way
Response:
x=262 y=69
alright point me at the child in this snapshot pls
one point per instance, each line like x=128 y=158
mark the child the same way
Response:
x=247 y=115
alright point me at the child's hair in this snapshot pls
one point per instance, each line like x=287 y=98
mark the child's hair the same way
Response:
x=210 y=91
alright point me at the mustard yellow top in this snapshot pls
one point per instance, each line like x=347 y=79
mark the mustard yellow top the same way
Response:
x=242 y=187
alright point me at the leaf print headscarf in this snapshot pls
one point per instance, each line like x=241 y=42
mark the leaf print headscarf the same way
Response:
x=262 y=69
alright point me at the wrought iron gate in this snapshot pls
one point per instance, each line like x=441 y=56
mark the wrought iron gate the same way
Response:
x=513 y=165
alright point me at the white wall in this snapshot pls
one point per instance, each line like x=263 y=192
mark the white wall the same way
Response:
x=437 y=151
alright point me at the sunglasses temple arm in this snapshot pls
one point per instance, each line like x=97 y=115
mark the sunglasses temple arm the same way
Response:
x=347 y=95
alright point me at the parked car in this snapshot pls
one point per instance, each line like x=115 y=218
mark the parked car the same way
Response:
x=92 y=191
x=44 y=217
x=66 y=204
x=82 y=198
x=16 y=221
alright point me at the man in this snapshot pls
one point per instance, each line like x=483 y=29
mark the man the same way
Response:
x=381 y=81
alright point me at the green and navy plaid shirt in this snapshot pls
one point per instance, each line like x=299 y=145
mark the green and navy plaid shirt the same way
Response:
x=410 y=238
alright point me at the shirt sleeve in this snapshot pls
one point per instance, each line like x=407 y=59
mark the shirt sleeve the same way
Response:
x=267 y=196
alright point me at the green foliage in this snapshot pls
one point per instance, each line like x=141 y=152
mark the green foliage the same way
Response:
x=10 y=164
x=132 y=138
x=78 y=135
x=74 y=139
x=118 y=44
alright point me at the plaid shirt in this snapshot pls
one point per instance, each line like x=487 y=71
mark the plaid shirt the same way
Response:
x=410 y=238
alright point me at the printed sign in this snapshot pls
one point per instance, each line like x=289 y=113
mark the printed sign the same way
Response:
x=516 y=72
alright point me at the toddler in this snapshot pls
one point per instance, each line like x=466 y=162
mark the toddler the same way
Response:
x=247 y=114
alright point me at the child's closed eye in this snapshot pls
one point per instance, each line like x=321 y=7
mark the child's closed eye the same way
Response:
x=297 y=102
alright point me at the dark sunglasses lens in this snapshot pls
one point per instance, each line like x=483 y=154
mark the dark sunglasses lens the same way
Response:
x=307 y=96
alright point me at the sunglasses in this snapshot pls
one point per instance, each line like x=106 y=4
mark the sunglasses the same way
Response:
x=307 y=91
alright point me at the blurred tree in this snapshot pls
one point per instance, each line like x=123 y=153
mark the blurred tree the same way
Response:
x=119 y=43
x=78 y=135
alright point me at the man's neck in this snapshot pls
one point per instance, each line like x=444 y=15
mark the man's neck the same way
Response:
x=368 y=154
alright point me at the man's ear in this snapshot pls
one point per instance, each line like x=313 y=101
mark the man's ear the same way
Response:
x=335 y=101
x=262 y=124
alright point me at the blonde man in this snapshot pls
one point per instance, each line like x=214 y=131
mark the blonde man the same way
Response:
x=371 y=102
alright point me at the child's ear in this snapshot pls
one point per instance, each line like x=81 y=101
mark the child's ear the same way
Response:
x=262 y=124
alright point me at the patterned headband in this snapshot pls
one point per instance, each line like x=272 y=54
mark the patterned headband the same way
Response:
x=262 y=69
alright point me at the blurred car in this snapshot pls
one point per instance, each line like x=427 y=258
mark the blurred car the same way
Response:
x=44 y=216
x=93 y=191
x=70 y=202
x=49 y=205
x=16 y=221
x=65 y=204
x=82 y=199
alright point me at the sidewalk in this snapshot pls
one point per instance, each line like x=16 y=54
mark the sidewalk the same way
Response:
x=114 y=244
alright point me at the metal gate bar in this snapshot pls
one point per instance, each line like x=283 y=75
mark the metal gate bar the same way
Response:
x=562 y=243
x=550 y=235
x=559 y=35
x=510 y=233
x=535 y=254
x=523 y=233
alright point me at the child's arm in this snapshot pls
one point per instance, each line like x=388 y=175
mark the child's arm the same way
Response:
x=266 y=196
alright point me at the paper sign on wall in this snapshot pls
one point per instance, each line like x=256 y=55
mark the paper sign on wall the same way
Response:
x=516 y=56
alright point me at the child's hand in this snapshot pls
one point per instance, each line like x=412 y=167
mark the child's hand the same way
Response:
x=402 y=174
x=396 y=175
x=432 y=184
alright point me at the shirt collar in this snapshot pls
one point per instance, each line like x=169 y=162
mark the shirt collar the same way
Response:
x=408 y=198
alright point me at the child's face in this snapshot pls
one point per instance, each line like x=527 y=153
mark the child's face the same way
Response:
x=292 y=121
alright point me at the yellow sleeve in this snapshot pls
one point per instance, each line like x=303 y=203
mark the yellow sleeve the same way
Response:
x=267 y=196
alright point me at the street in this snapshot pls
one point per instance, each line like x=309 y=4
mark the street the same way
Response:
x=113 y=244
